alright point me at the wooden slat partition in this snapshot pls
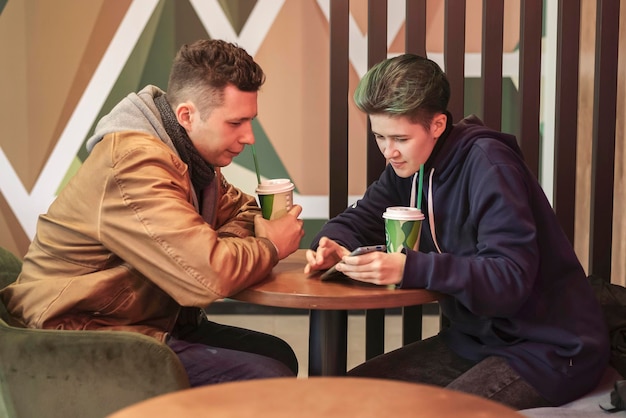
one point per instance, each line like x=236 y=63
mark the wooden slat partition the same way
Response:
x=339 y=68
x=493 y=21
x=338 y=148
x=603 y=150
x=415 y=27
x=454 y=55
x=414 y=42
x=530 y=80
x=566 y=114
x=376 y=52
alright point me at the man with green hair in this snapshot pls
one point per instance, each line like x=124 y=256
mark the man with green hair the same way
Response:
x=524 y=328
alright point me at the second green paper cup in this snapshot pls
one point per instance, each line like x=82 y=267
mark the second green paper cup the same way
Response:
x=403 y=226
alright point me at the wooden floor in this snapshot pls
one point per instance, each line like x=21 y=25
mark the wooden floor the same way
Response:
x=295 y=330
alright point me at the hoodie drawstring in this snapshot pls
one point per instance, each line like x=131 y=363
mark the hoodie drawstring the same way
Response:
x=413 y=198
x=431 y=212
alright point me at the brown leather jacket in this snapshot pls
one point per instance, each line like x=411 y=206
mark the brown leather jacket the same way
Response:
x=123 y=246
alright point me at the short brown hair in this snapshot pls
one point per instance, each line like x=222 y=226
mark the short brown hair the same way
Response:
x=203 y=69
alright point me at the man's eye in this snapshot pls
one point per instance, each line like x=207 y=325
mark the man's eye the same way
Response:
x=235 y=123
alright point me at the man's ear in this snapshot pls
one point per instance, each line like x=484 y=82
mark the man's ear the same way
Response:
x=438 y=124
x=184 y=114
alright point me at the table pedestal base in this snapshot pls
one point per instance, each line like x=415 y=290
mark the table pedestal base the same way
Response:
x=328 y=342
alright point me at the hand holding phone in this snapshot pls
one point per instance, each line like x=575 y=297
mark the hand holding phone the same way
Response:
x=333 y=274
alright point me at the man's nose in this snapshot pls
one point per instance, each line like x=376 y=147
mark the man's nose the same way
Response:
x=248 y=135
x=388 y=149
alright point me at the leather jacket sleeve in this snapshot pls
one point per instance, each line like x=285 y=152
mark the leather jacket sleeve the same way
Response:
x=236 y=211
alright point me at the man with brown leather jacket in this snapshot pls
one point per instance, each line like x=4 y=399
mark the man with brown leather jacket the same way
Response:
x=149 y=232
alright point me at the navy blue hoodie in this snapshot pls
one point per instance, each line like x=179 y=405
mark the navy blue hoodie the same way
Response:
x=492 y=243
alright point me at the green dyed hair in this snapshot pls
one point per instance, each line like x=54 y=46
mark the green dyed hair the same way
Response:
x=406 y=85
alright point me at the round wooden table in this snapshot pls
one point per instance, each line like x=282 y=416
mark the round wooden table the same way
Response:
x=328 y=301
x=289 y=287
x=326 y=397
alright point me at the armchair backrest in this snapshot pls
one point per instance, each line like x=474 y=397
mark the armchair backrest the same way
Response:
x=61 y=373
x=10 y=267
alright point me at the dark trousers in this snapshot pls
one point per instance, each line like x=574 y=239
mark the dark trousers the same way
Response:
x=431 y=362
x=215 y=353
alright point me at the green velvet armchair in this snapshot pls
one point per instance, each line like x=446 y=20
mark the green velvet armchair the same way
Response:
x=53 y=373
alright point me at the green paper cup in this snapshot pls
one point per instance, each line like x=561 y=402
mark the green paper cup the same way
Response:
x=403 y=226
x=275 y=197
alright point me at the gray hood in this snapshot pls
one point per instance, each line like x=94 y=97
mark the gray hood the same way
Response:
x=136 y=112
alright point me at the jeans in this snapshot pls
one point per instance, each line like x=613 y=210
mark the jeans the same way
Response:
x=215 y=353
x=431 y=362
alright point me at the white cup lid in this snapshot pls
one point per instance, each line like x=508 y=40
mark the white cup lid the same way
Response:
x=273 y=186
x=403 y=213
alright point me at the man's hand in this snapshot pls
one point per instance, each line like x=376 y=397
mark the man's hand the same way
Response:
x=285 y=232
x=376 y=267
x=328 y=253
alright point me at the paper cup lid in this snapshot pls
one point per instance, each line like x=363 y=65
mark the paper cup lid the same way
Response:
x=274 y=186
x=403 y=213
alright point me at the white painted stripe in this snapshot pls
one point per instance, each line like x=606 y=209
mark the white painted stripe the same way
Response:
x=214 y=20
x=254 y=30
x=27 y=207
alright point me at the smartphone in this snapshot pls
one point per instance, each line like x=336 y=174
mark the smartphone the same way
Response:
x=333 y=274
